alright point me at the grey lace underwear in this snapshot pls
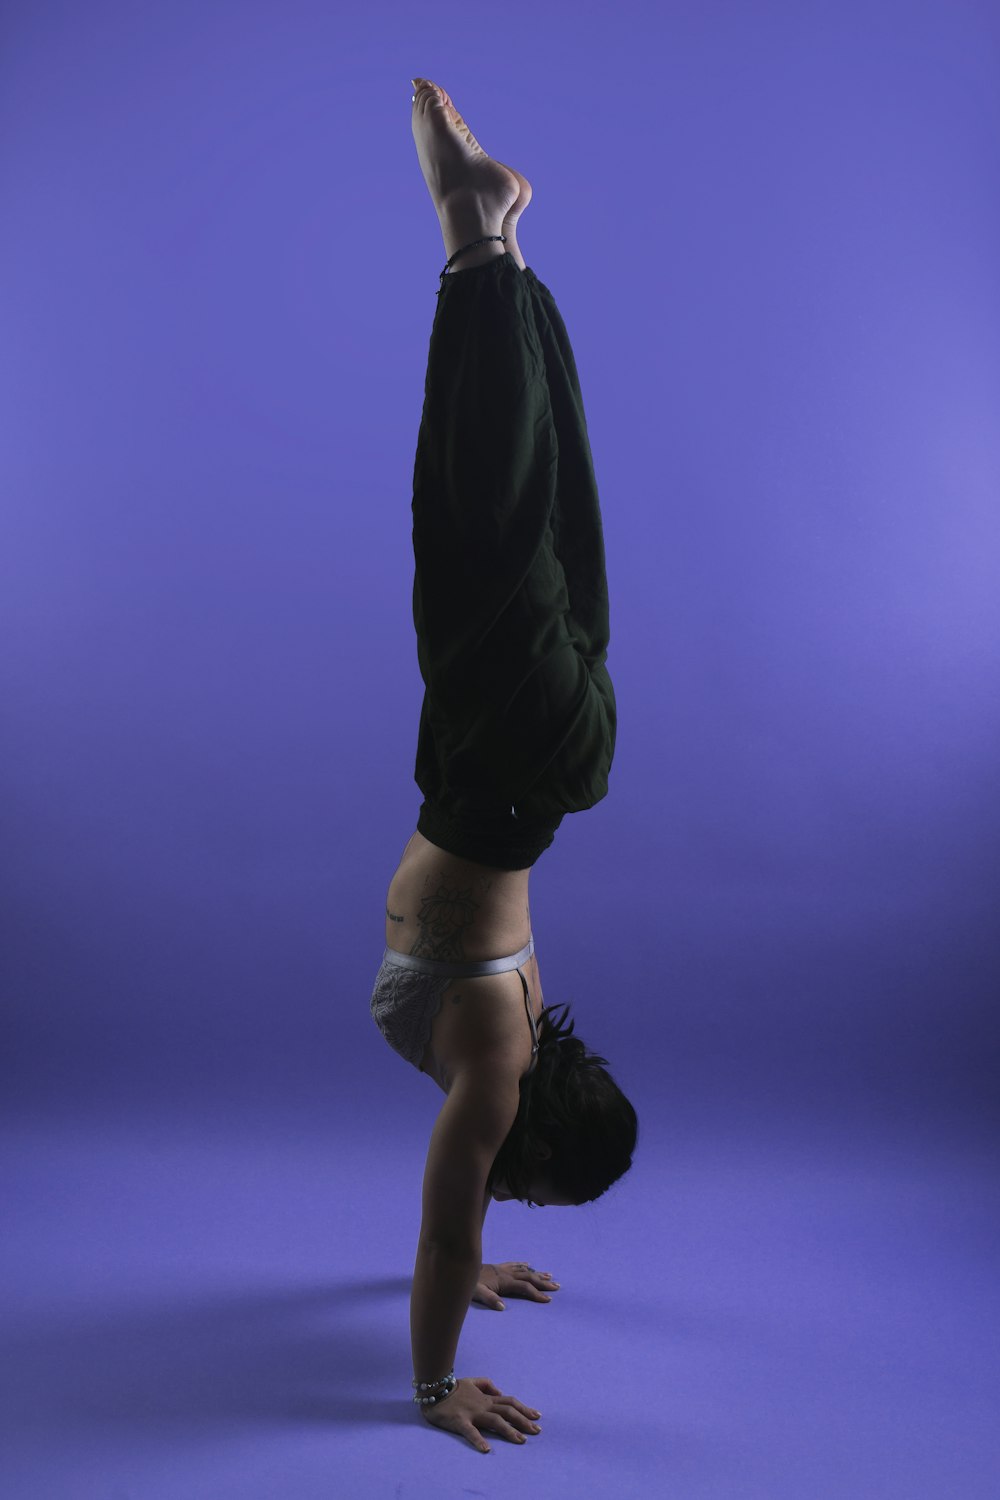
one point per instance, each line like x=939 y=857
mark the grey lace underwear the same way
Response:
x=408 y=991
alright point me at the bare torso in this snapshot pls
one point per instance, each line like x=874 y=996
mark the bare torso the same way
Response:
x=442 y=907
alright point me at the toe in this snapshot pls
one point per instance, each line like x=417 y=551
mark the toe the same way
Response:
x=432 y=94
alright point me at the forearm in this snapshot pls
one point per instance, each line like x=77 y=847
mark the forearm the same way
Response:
x=443 y=1284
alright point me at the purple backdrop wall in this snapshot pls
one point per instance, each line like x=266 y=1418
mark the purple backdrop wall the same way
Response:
x=771 y=240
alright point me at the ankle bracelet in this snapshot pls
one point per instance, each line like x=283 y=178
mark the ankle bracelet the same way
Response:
x=457 y=253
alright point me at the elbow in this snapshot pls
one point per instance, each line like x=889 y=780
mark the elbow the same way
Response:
x=442 y=1245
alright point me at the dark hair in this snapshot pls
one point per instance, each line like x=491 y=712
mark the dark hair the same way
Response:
x=572 y=1103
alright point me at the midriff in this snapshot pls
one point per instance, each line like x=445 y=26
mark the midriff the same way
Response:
x=441 y=907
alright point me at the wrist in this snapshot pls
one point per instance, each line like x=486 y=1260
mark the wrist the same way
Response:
x=429 y=1393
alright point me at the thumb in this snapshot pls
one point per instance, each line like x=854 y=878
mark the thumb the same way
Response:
x=499 y=1306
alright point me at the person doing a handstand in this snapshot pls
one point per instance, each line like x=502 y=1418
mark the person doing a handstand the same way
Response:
x=517 y=729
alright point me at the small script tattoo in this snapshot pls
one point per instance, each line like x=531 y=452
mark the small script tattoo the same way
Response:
x=392 y=916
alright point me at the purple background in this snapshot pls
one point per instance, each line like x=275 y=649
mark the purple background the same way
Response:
x=773 y=232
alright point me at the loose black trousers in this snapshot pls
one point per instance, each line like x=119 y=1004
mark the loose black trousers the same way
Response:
x=510 y=597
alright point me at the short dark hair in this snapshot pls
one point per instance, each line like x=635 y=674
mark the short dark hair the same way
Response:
x=571 y=1102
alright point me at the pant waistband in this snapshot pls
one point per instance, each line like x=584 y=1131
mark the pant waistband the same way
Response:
x=463 y=970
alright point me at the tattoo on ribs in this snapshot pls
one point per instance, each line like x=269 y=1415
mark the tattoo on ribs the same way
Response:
x=443 y=919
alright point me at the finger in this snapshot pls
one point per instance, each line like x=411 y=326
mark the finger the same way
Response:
x=527 y=1412
x=487 y=1386
x=544 y=1280
x=485 y=1298
x=476 y=1438
x=539 y=1279
x=521 y=1425
x=529 y=1292
x=502 y=1427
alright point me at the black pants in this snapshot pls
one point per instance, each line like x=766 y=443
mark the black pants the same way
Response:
x=510 y=598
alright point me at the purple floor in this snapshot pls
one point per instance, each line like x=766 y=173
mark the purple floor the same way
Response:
x=197 y=1316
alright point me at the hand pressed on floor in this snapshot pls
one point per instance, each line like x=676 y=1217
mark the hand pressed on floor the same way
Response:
x=477 y=1404
x=512 y=1278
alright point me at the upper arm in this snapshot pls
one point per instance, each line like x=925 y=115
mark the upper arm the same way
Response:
x=473 y=1124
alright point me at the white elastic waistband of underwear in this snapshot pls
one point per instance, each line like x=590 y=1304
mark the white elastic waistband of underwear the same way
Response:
x=463 y=970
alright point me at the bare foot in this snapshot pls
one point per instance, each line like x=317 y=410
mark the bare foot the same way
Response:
x=472 y=192
x=509 y=226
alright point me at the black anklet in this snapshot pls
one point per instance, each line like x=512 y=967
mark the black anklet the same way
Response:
x=485 y=241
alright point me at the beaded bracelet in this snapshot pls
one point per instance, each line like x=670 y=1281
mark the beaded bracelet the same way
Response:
x=440 y=1389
